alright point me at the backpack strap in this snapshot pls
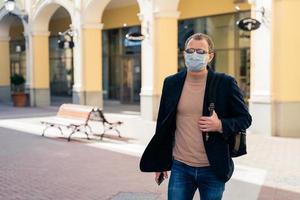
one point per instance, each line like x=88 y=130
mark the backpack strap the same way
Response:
x=212 y=92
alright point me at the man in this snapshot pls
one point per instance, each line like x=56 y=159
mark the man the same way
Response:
x=188 y=141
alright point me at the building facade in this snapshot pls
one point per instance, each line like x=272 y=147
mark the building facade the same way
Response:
x=104 y=65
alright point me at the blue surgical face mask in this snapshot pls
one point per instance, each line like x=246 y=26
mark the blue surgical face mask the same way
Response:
x=195 y=62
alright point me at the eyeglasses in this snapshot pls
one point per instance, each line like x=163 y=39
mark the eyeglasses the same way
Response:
x=198 y=51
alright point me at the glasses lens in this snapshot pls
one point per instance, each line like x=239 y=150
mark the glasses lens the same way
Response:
x=190 y=50
x=201 y=51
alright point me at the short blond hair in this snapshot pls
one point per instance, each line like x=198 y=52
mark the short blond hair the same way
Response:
x=201 y=36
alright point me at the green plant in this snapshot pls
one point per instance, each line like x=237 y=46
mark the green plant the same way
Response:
x=17 y=82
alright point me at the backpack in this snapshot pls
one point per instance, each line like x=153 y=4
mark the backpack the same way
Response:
x=236 y=141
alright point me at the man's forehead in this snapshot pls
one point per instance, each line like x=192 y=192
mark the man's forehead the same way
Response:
x=198 y=43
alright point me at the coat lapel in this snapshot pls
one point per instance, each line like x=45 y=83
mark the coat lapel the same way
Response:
x=179 y=86
x=175 y=93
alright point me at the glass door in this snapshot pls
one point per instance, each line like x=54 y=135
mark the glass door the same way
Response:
x=130 y=79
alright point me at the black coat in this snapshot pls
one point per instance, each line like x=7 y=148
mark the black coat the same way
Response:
x=230 y=108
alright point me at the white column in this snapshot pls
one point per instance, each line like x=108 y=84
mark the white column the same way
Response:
x=261 y=73
x=29 y=61
x=149 y=101
x=87 y=87
x=78 y=87
x=159 y=57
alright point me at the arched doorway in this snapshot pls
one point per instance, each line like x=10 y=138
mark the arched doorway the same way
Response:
x=121 y=58
x=13 y=54
x=60 y=57
x=49 y=20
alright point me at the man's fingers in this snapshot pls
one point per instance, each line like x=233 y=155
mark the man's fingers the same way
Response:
x=158 y=173
x=205 y=118
x=208 y=123
x=205 y=130
x=166 y=174
x=203 y=126
x=156 y=176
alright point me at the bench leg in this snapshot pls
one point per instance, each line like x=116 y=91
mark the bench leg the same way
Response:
x=118 y=132
x=104 y=130
x=47 y=126
x=87 y=135
x=73 y=131
x=102 y=135
x=109 y=128
x=51 y=125
x=77 y=129
x=61 y=132
x=85 y=130
x=90 y=128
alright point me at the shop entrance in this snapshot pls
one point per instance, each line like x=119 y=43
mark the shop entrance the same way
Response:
x=130 y=79
x=121 y=66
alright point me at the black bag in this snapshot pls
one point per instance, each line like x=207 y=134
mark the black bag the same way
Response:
x=236 y=141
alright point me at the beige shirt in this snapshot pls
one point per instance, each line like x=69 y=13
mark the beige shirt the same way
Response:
x=189 y=145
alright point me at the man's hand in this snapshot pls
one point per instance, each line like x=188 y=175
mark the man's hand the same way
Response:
x=158 y=173
x=210 y=124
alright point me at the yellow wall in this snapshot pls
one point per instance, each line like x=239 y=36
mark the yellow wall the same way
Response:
x=114 y=18
x=4 y=63
x=92 y=59
x=166 y=61
x=199 y=8
x=40 y=62
x=286 y=43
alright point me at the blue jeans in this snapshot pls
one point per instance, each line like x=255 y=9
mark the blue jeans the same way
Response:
x=184 y=181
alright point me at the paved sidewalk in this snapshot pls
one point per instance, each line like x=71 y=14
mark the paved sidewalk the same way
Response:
x=271 y=170
x=36 y=168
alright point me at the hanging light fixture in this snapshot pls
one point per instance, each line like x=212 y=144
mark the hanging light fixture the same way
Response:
x=12 y=8
x=135 y=36
x=66 y=39
x=10 y=5
x=248 y=23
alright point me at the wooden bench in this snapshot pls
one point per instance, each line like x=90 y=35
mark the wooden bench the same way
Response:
x=73 y=117
x=76 y=117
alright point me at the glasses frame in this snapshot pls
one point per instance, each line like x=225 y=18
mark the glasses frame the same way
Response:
x=198 y=51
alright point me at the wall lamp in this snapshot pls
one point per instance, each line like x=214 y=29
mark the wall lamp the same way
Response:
x=12 y=9
x=66 y=39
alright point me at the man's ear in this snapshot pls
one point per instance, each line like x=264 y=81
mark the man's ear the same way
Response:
x=211 y=57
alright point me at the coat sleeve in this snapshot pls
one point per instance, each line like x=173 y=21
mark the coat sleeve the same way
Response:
x=149 y=160
x=161 y=110
x=239 y=119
